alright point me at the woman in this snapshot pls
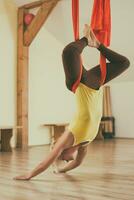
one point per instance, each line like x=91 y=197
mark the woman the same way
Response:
x=72 y=145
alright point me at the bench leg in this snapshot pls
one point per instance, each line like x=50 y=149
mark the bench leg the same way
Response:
x=5 y=140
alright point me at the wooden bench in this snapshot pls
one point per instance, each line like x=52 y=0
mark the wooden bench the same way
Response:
x=8 y=136
x=56 y=130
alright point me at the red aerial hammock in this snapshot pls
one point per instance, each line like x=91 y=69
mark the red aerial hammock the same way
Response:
x=101 y=26
x=75 y=18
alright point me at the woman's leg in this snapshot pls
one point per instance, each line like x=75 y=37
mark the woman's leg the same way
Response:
x=118 y=63
x=65 y=141
x=72 y=61
x=115 y=67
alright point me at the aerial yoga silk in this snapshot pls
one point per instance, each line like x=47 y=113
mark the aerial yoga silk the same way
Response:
x=101 y=26
x=75 y=18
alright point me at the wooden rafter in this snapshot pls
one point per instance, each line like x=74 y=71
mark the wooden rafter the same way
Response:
x=27 y=36
x=42 y=15
x=22 y=84
x=34 y=4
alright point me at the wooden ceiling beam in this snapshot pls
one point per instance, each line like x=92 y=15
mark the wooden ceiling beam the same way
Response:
x=27 y=36
x=34 y=4
x=42 y=15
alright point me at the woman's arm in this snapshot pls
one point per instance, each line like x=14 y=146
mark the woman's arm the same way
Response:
x=42 y=166
x=59 y=147
x=77 y=162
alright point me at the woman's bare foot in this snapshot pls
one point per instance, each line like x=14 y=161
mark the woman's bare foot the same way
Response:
x=89 y=34
x=86 y=31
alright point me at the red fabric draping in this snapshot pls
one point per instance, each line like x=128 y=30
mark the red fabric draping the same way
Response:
x=75 y=18
x=101 y=26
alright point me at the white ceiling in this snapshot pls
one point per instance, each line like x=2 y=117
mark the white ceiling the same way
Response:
x=59 y=24
x=22 y=2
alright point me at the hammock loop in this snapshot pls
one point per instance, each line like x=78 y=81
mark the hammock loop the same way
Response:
x=101 y=26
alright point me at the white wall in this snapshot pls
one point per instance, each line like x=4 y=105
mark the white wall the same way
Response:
x=8 y=45
x=122 y=95
x=122 y=39
x=122 y=88
x=49 y=100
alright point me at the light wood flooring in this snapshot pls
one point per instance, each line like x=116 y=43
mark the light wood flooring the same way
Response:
x=106 y=174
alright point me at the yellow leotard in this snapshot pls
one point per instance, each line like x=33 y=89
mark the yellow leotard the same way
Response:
x=85 y=124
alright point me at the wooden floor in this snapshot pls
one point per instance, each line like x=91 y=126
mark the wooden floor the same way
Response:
x=106 y=174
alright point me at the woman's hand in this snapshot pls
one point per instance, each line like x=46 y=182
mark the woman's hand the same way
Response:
x=58 y=171
x=25 y=177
